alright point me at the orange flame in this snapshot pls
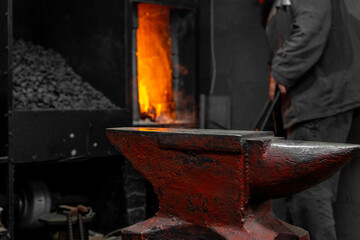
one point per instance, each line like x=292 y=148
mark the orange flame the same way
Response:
x=156 y=99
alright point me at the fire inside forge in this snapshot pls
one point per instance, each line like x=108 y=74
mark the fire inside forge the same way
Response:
x=156 y=100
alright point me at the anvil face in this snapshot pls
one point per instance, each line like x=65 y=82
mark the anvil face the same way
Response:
x=215 y=179
x=192 y=171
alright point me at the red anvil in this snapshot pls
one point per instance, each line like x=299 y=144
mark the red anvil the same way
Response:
x=216 y=184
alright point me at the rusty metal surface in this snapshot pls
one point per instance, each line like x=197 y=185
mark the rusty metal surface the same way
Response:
x=278 y=168
x=216 y=184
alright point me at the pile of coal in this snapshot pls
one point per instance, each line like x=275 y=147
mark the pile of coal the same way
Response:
x=43 y=80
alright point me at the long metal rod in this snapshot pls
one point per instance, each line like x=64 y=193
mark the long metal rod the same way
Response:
x=265 y=113
x=9 y=51
x=212 y=45
x=5 y=84
x=10 y=194
x=11 y=166
x=269 y=112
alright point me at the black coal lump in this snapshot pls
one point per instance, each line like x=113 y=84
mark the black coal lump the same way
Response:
x=43 y=80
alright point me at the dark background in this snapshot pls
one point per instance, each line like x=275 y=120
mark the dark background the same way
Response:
x=94 y=36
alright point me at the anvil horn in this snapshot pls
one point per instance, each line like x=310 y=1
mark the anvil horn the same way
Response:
x=279 y=168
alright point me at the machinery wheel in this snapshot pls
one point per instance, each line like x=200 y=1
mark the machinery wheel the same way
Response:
x=34 y=200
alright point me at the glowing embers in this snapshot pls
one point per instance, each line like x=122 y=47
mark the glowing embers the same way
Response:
x=156 y=100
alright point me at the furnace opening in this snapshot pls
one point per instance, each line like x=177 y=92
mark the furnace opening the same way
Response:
x=155 y=94
x=163 y=65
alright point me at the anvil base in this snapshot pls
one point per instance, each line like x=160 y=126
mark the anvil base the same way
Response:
x=259 y=224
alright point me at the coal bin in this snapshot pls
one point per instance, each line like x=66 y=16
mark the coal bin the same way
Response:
x=43 y=80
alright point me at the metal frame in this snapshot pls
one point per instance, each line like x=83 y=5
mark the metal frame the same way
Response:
x=13 y=122
x=56 y=141
x=6 y=103
x=5 y=71
x=13 y=131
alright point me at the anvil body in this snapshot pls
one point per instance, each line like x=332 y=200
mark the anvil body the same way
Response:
x=217 y=184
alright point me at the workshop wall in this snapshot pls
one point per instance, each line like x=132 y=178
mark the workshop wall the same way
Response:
x=241 y=59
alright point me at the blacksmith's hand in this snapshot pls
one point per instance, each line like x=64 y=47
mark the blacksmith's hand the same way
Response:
x=272 y=88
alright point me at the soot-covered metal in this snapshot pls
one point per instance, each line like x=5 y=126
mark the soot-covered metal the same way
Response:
x=218 y=184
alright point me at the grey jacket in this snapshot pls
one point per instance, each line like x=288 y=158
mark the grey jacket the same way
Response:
x=315 y=53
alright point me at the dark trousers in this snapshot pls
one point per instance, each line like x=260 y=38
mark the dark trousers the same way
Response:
x=312 y=209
